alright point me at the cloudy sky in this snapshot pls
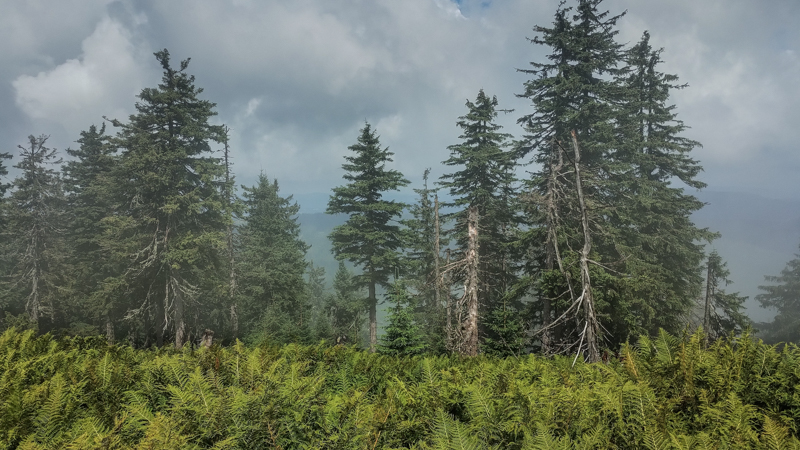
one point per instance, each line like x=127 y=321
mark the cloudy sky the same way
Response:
x=296 y=79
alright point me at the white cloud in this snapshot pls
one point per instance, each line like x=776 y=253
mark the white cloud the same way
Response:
x=450 y=8
x=35 y=29
x=78 y=92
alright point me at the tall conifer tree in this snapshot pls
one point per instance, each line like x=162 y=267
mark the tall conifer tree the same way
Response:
x=4 y=236
x=574 y=95
x=172 y=223
x=485 y=181
x=608 y=107
x=423 y=263
x=272 y=265
x=87 y=179
x=36 y=236
x=371 y=237
x=655 y=235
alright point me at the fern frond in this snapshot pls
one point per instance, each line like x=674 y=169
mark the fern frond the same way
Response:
x=775 y=436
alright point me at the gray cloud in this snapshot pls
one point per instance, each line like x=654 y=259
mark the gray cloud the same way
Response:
x=295 y=80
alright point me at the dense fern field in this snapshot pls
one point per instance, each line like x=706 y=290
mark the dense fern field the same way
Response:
x=662 y=393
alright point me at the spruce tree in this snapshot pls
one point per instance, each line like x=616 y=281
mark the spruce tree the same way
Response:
x=36 y=249
x=572 y=137
x=87 y=179
x=271 y=267
x=402 y=336
x=371 y=237
x=783 y=296
x=171 y=222
x=422 y=263
x=346 y=307
x=231 y=207
x=609 y=107
x=654 y=232
x=722 y=311
x=485 y=181
x=4 y=235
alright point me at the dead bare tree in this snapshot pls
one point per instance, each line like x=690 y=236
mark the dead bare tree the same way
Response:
x=591 y=328
x=471 y=285
x=464 y=339
x=582 y=305
x=551 y=246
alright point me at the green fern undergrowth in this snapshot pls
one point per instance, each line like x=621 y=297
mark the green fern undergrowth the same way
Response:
x=662 y=393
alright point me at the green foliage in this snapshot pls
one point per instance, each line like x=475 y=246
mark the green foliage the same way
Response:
x=420 y=263
x=655 y=234
x=615 y=102
x=484 y=177
x=271 y=256
x=369 y=238
x=169 y=227
x=35 y=250
x=723 y=311
x=506 y=330
x=342 y=311
x=87 y=179
x=402 y=336
x=663 y=393
x=784 y=296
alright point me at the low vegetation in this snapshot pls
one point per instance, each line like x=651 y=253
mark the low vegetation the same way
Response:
x=661 y=393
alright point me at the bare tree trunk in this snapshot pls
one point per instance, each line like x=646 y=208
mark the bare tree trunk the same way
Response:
x=592 y=326
x=554 y=327
x=109 y=330
x=373 y=313
x=180 y=320
x=207 y=339
x=449 y=323
x=551 y=247
x=709 y=302
x=470 y=338
x=34 y=304
x=161 y=318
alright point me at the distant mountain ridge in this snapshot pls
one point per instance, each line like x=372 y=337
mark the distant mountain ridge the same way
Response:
x=759 y=236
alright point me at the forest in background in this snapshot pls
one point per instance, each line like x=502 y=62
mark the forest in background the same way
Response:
x=143 y=235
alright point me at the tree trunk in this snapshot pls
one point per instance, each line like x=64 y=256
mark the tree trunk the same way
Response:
x=109 y=330
x=34 y=304
x=373 y=313
x=470 y=338
x=552 y=255
x=708 y=305
x=591 y=326
x=161 y=320
x=449 y=323
x=180 y=319
x=208 y=338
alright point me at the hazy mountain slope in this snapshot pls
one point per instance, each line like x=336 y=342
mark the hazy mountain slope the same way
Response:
x=759 y=235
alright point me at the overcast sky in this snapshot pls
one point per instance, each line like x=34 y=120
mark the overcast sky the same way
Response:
x=295 y=80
